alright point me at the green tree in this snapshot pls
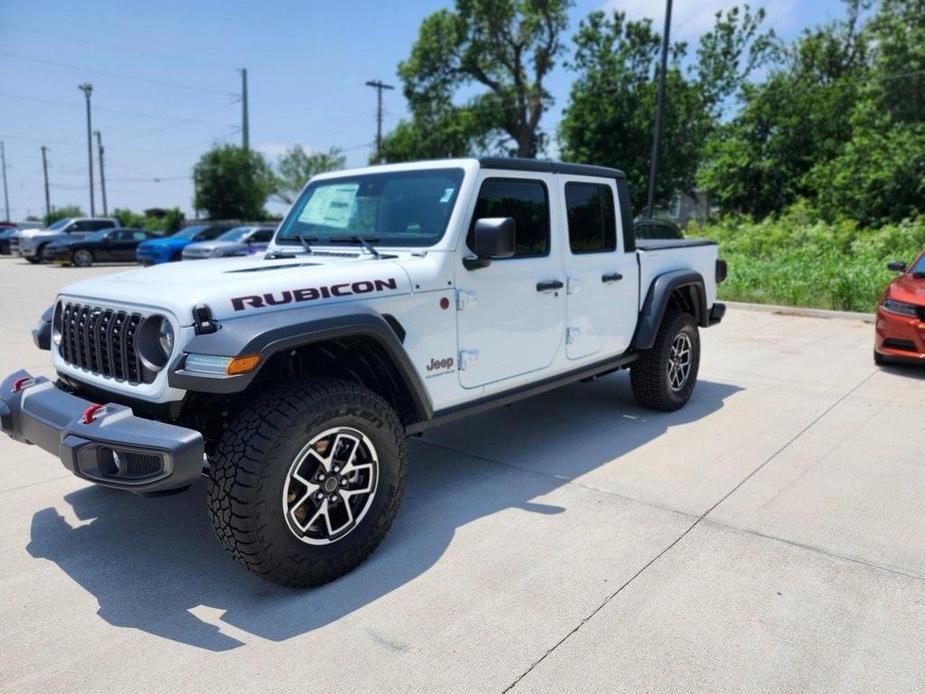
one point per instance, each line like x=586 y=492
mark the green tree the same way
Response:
x=611 y=110
x=232 y=183
x=795 y=121
x=127 y=218
x=296 y=167
x=506 y=48
x=63 y=213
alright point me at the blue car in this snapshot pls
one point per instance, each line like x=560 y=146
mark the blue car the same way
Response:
x=171 y=248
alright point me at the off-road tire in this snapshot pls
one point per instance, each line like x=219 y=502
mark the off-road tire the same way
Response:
x=252 y=462
x=649 y=373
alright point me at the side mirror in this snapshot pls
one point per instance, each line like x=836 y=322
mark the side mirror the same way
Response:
x=493 y=237
x=896 y=266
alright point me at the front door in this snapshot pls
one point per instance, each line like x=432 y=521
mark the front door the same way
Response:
x=603 y=279
x=512 y=313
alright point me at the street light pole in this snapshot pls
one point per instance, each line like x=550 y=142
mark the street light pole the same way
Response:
x=6 y=195
x=245 y=121
x=659 y=107
x=87 y=89
x=99 y=149
x=45 y=171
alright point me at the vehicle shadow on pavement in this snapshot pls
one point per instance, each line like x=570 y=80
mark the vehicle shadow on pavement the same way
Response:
x=149 y=562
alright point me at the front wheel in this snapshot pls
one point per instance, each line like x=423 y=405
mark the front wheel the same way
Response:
x=664 y=376
x=307 y=479
x=82 y=258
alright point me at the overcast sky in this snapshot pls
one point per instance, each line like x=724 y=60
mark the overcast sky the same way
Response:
x=166 y=82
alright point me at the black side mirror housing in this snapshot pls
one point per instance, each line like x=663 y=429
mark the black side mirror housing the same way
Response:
x=896 y=266
x=493 y=237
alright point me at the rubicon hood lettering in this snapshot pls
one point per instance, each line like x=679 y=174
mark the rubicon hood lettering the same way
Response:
x=311 y=293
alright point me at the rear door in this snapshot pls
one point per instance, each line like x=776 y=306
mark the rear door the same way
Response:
x=603 y=278
x=124 y=244
x=512 y=313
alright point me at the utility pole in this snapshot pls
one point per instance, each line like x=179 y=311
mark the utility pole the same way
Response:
x=99 y=149
x=378 y=85
x=659 y=107
x=87 y=89
x=6 y=195
x=245 y=125
x=45 y=171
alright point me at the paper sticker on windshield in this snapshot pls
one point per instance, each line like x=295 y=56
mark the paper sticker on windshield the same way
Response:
x=447 y=194
x=331 y=206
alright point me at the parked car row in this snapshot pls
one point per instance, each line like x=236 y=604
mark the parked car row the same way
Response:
x=84 y=241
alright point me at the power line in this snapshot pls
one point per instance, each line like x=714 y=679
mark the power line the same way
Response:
x=118 y=75
x=119 y=111
x=134 y=48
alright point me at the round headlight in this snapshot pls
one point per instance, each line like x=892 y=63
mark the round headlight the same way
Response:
x=154 y=342
x=165 y=337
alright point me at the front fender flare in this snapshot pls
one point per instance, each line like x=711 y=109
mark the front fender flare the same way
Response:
x=267 y=334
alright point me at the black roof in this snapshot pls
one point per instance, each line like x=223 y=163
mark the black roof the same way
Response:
x=515 y=164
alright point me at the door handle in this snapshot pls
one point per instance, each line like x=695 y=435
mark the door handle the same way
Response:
x=549 y=285
x=611 y=277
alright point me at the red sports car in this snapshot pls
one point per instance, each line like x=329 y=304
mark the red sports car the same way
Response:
x=901 y=315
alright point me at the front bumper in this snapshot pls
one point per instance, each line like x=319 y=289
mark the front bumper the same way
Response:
x=900 y=337
x=113 y=448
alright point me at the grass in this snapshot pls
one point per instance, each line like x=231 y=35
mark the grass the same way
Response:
x=795 y=261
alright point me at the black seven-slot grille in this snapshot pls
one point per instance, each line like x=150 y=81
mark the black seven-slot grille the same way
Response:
x=101 y=340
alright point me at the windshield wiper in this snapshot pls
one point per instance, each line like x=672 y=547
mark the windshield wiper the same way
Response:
x=360 y=240
x=304 y=240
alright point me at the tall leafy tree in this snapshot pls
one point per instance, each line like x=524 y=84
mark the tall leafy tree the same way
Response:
x=797 y=119
x=506 y=49
x=611 y=110
x=612 y=105
x=296 y=166
x=233 y=183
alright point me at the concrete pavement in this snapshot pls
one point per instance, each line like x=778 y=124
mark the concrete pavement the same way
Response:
x=769 y=536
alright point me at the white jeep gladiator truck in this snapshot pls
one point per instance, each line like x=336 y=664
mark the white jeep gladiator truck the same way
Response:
x=392 y=299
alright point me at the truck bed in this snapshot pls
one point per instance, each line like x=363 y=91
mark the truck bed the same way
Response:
x=663 y=244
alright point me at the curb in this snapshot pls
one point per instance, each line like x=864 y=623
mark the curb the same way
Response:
x=803 y=311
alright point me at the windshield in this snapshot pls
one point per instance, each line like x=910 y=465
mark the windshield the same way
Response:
x=188 y=233
x=60 y=224
x=407 y=208
x=919 y=267
x=235 y=234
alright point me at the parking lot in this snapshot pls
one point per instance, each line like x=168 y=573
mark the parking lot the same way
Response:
x=769 y=536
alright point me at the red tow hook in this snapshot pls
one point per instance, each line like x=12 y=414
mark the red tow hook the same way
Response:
x=90 y=414
x=21 y=383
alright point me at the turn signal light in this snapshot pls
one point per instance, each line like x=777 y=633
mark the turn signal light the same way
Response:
x=241 y=365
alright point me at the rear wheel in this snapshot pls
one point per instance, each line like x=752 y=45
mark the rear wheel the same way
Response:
x=82 y=258
x=664 y=376
x=307 y=479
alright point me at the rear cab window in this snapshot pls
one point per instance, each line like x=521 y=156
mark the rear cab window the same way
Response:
x=591 y=217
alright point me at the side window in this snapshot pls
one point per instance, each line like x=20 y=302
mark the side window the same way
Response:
x=139 y=236
x=210 y=233
x=592 y=222
x=96 y=226
x=262 y=236
x=527 y=202
x=77 y=226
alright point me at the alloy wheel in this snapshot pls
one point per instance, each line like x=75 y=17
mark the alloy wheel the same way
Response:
x=679 y=362
x=330 y=485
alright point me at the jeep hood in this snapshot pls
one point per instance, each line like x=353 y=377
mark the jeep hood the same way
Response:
x=235 y=287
